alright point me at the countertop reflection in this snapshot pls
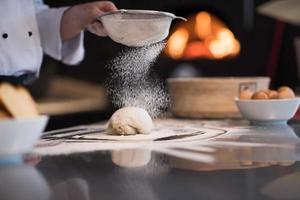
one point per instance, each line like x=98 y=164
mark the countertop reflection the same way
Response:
x=243 y=163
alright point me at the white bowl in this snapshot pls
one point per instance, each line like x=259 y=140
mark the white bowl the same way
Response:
x=19 y=136
x=269 y=111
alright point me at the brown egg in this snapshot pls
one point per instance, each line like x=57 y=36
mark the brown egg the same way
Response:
x=246 y=94
x=272 y=94
x=284 y=88
x=265 y=90
x=259 y=95
x=286 y=94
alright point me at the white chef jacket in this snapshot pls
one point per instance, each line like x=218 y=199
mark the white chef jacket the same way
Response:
x=27 y=29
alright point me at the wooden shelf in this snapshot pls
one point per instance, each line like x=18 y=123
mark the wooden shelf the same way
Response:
x=66 y=96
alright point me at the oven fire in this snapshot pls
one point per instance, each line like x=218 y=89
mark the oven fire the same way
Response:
x=202 y=36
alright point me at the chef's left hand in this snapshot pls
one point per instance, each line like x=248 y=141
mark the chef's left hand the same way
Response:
x=83 y=16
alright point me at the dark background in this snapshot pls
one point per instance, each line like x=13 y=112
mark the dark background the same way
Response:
x=254 y=31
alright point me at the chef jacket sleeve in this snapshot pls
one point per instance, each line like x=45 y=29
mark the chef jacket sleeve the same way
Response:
x=49 y=19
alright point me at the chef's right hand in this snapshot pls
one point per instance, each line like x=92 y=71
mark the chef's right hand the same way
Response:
x=83 y=16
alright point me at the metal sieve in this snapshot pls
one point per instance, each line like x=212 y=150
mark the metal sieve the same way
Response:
x=137 y=28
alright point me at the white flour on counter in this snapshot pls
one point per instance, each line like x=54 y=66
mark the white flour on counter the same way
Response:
x=225 y=145
x=131 y=83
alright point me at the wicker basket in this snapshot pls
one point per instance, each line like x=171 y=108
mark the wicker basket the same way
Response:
x=210 y=97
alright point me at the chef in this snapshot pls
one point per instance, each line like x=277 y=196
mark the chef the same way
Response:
x=29 y=27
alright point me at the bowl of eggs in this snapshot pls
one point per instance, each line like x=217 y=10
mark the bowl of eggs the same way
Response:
x=268 y=107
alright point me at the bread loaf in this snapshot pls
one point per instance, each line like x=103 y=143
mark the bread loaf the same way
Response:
x=17 y=101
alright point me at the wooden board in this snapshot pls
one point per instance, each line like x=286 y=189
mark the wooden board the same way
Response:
x=67 y=95
x=209 y=97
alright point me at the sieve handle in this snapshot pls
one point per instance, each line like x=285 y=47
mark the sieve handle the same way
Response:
x=182 y=18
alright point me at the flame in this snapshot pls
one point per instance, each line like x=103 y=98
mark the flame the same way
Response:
x=224 y=45
x=206 y=36
x=177 y=43
x=197 y=49
x=203 y=25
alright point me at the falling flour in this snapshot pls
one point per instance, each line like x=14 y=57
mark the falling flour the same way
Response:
x=131 y=83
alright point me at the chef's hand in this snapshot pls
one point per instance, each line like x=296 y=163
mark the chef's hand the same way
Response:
x=83 y=16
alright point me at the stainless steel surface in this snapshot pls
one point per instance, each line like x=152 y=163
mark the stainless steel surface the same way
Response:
x=245 y=162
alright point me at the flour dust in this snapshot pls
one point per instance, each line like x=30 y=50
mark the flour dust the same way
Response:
x=132 y=83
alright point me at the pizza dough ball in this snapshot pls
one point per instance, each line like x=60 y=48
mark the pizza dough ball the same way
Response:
x=130 y=121
x=246 y=94
x=260 y=95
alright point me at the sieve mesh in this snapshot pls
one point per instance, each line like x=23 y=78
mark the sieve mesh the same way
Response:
x=137 y=27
